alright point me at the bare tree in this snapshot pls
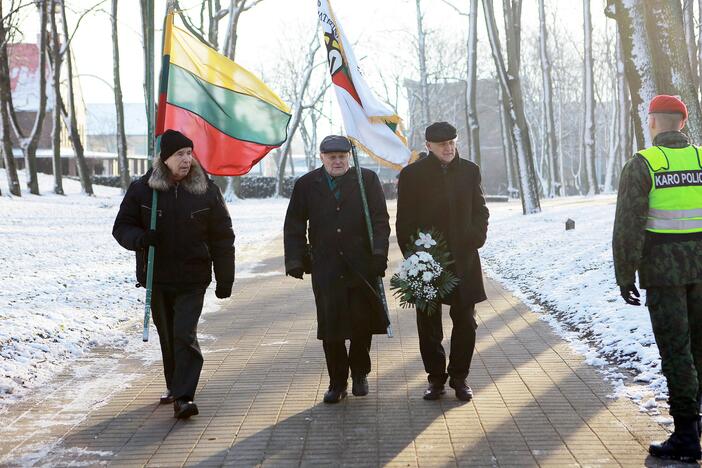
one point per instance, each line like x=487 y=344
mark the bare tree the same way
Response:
x=122 y=162
x=508 y=77
x=29 y=143
x=554 y=185
x=236 y=8
x=55 y=61
x=689 y=26
x=69 y=114
x=638 y=66
x=422 y=52
x=589 y=129
x=671 y=61
x=660 y=62
x=298 y=93
x=472 y=84
x=6 y=23
x=507 y=143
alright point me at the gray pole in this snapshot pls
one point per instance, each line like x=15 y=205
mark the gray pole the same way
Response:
x=364 y=200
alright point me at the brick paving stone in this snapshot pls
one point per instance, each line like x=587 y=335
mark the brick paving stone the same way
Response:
x=536 y=402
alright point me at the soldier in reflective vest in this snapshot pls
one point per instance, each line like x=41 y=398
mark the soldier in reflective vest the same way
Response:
x=658 y=232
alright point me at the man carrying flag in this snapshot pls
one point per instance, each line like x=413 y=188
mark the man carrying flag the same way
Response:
x=194 y=233
x=232 y=120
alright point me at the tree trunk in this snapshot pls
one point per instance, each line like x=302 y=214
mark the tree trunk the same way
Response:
x=507 y=144
x=589 y=96
x=689 y=26
x=122 y=162
x=671 y=62
x=423 y=79
x=472 y=84
x=624 y=107
x=69 y=117
x=509 y=80
x=57 y=165
x=547 y=89
x=150 y=142
x=638 y=66
x=29 y=144
x=5 y=103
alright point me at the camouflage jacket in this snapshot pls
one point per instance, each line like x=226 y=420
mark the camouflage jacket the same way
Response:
x=660 y=259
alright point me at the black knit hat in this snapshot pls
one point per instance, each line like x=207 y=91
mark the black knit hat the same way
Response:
x=440 y=131
x=172 y=141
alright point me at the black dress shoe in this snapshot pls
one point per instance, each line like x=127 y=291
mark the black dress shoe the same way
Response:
x=433 y=392
x=166 y=398
x=183 y=409
x=334 y=395
x=360 y=385
x=463 y=391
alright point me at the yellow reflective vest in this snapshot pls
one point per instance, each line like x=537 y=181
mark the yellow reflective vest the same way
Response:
x=675 y=199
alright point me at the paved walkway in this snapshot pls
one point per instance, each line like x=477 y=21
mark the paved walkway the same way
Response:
x=536 y=402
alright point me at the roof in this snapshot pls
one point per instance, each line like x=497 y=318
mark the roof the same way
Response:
x=101 y=119
x=24 y=77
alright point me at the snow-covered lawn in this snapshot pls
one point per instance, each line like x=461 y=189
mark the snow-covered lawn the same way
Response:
x=68 y=286
x=570 y=276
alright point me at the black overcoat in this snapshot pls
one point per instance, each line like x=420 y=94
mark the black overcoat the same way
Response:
x=340 y=249
x=450 y=201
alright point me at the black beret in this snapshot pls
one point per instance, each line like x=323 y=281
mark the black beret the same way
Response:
x=172 y=141
x=440 y=131
x=335 y=144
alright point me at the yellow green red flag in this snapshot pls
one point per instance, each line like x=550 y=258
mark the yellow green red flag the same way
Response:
x=233 y=118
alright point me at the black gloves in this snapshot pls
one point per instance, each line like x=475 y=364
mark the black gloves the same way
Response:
x=379 y=263
x=630 y=294
x=296 y=272
x=223 y=290
x=147 y=239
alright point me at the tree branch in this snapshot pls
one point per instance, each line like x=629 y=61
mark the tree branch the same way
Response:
x=455 y=8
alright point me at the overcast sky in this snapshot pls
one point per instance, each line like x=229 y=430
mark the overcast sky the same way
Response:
x=381 y=29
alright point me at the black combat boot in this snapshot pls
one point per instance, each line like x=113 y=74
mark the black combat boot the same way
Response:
x=683 y=444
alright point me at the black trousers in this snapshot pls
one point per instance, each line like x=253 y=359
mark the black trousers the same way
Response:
x=339 y=362
x=176 y=312
x=462 y=343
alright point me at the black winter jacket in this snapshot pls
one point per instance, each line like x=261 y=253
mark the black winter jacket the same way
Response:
x=193 y=227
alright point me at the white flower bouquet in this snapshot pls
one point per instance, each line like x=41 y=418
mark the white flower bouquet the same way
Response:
x=423 y=279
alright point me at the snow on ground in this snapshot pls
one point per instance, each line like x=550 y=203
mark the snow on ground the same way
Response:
x=569 y=275
x=68 y=285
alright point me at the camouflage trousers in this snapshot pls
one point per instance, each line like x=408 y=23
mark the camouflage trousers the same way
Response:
x=676 y=317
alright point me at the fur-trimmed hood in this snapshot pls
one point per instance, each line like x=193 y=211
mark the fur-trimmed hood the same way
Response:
x=195 y=182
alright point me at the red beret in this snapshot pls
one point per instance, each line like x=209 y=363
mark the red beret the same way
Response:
x=665 y=104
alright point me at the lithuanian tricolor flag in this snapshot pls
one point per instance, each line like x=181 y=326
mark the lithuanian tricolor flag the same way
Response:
x=233 y=118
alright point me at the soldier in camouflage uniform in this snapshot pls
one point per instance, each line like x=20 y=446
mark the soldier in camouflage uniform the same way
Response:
x=658 y=232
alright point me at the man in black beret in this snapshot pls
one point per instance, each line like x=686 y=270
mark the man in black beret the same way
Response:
x=442 y=193
x=325 y=209
x=193 y=233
